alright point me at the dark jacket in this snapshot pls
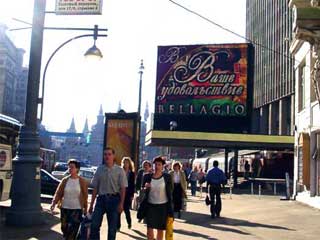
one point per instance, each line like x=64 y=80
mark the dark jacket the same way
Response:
x=139 y=179
x=167 y=179
x=131 y=186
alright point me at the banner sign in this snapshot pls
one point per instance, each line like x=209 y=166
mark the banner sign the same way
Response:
x=121 y=134
x=78 y=7
x=202 y=80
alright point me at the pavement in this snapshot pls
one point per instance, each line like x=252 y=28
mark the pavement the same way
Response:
x=243 y=216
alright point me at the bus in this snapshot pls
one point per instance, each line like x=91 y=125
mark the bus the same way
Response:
x=48 y=159
x=9 y=130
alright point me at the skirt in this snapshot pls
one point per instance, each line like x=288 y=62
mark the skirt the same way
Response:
x=156 y=216
x=177 y=197
x=70 y=222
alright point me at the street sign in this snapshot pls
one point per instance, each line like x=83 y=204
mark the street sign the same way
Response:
x=78 y=7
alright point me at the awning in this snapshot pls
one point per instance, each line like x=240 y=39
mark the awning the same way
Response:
x=219 y=140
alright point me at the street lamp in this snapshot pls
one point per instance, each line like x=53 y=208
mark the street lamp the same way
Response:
x=141 y=68
x=25 y=207
x=140 y=153
x=92 y=52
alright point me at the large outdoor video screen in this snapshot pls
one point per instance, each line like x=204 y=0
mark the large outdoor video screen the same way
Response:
x=204 y=84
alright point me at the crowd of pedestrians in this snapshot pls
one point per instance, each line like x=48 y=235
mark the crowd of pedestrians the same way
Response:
x=159 y=191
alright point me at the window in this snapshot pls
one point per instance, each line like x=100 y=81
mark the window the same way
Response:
x=302 y=86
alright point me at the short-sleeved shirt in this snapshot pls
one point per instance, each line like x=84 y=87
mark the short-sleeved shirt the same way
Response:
x=109 y=180
x=215 y=176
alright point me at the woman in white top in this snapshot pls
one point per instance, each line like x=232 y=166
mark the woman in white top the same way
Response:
x=159 y=208
x=72 y=197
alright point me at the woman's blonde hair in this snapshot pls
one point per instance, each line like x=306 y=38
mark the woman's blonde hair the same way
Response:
x=176 y=163
x=129 y=160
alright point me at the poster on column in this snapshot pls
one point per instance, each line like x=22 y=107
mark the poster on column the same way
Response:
x=121 y=135
x=204 y=86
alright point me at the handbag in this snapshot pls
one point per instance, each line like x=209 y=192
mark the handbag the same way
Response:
x=169 y=228
x=207 y=200
x=84 y=230
x=135 y=202
x=184 y=204
x=143 y=205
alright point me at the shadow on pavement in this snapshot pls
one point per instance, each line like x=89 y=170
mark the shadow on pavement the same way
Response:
x=43 y=232
x=142 y=236
x=193 y=234
x=204 y=220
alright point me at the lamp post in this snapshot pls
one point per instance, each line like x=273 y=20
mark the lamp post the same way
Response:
x=93 y=51
x=141 y=68
x=25 y=193
x=141 y=145
x=25 y=207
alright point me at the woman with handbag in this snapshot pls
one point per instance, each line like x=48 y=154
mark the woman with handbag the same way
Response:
x=128 y=166
x=179 y=187
x=72 y=196
x=159 y=199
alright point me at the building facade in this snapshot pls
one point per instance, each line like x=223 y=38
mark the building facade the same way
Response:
x=305 y=48
x=269 y=27
x=96 y=140
x=86 y=146
x=13 y=78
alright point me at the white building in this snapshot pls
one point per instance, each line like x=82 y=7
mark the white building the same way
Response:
x=305 y=48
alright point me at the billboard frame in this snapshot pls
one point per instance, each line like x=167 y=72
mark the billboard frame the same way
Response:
x=161 y=120
x=136 y=132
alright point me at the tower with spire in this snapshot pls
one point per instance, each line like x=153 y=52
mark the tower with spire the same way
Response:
x=100 y=117
x=85 y=130
x=96 y=139
x=119 y=106
x=72 y=128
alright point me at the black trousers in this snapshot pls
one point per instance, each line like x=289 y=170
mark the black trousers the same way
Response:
x=177 y=197
x=126 y=208
x=215 y=197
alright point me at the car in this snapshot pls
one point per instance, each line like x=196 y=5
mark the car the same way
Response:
x=87 y=174
x=60 y=166
x=59 y=174
x=49 y=183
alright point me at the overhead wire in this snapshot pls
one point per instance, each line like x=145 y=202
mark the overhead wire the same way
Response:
x=230 y=31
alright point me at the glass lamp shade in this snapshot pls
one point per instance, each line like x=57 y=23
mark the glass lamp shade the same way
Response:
x=93 y=52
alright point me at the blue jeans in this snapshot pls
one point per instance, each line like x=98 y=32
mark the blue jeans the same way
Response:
x=193 y=187
x=109 y=205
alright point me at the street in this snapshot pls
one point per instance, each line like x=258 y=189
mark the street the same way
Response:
x=243 y=217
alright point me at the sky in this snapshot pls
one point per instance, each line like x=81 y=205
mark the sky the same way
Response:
x=76 y=86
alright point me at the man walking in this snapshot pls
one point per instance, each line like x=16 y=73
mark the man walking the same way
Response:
x=215 y=178
x=109 y=183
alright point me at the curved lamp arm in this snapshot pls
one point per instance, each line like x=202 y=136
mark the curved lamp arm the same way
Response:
x=41 y=100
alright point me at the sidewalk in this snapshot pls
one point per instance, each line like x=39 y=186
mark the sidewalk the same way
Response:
x=243 y=217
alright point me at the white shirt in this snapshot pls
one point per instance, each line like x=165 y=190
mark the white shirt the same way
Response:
x=176 y=177
x=158 y=193
x=71 y=197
